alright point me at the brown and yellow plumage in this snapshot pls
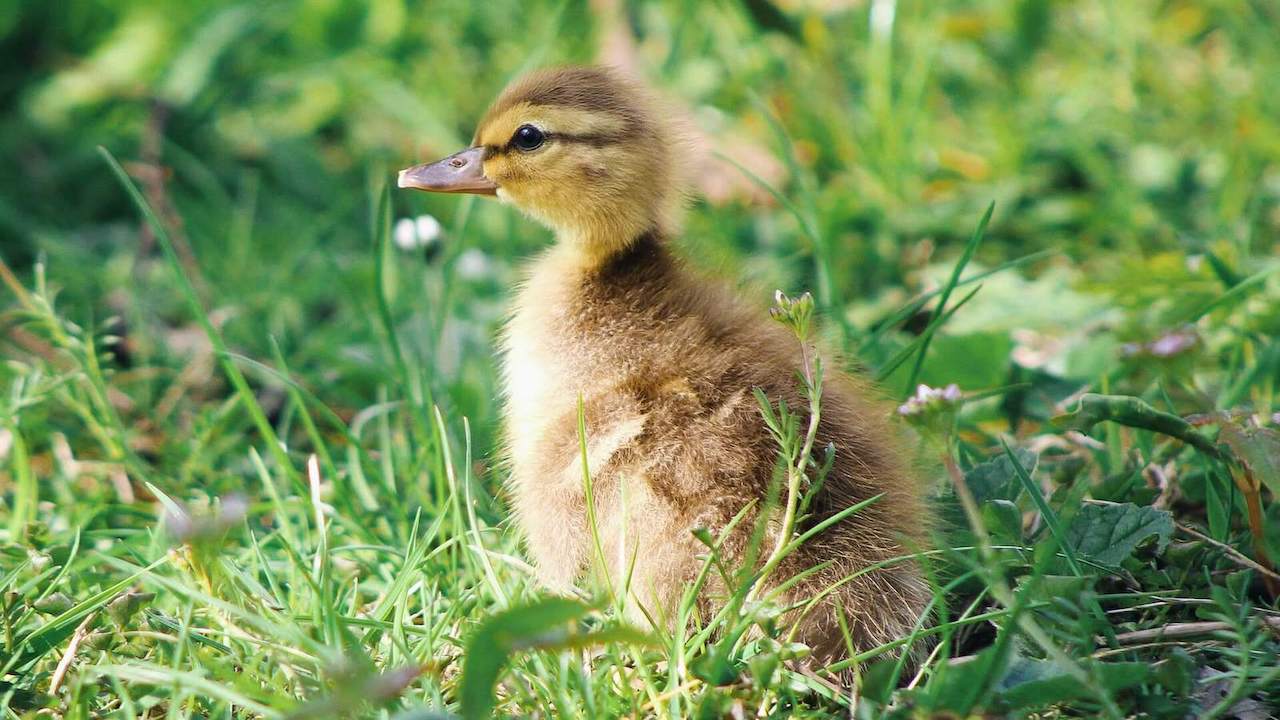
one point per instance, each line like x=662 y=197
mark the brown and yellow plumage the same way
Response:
x=665 y=363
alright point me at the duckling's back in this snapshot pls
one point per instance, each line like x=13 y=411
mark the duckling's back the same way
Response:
x=664 y=365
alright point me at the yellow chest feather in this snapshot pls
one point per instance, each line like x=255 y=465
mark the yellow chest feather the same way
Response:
x=539 y=379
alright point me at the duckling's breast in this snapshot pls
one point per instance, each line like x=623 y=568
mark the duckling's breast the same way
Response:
x=638 y=341
x=539 y=353
x=580 y=331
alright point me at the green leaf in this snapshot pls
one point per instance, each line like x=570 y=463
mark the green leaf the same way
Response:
x=876 y=681
x=994 y=481
x=51 y=634
x=972 y=360
x=123 y=608
x=1124 y=409
x=1051 y=586
x=1231 y=296
x=543 y=625
x=191 y=70
x=939 y=312
x=963 y=685
x=196 y=307
x=1046 y=512
x=54 y=604
x=1107 y=534
x=519 y=627
x=1004 y=519
x=1259 y=449
x=997 y=479
x=1037 y=683
x=1177 y=672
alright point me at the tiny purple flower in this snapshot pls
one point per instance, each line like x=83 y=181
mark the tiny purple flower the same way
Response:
x=930 y=402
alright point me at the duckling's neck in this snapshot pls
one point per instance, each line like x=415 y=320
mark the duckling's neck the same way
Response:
x=569 y=284
x=592 y=252
x=644 y=257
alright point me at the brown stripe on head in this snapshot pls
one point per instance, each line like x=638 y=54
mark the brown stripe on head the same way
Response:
x=589 y=101
x=605 y=164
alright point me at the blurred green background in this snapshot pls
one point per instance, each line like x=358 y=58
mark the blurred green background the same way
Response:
x=1137 y=144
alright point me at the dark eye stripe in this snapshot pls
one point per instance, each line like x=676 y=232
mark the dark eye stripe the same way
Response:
x=592 y=139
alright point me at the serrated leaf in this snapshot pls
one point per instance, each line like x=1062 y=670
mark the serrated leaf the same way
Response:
x=997 y=479
x=1107 y=534
x=993 y=480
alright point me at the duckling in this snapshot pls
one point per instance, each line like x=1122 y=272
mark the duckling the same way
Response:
x=662 y=364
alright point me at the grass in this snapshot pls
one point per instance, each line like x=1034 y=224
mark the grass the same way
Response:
x=248 y=459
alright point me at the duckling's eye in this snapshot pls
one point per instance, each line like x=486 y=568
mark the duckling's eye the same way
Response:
x=528 y=138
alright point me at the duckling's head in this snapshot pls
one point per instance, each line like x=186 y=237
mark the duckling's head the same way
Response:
x=582 y=149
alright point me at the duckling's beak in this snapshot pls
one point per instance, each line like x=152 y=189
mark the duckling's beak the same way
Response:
x=459 y=173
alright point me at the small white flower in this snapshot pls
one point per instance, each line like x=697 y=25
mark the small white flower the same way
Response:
x=882 y=12
x=473 y=264
x=428 y=229
x=406 y=234
x=414 y=233
x=931 y=400
x=1168 y=345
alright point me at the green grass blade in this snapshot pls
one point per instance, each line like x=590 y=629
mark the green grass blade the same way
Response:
x=939 y=313
x=1046 y=512
x=236 y=378
x=917 y=346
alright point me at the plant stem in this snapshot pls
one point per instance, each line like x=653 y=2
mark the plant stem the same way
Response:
x=795 y=473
